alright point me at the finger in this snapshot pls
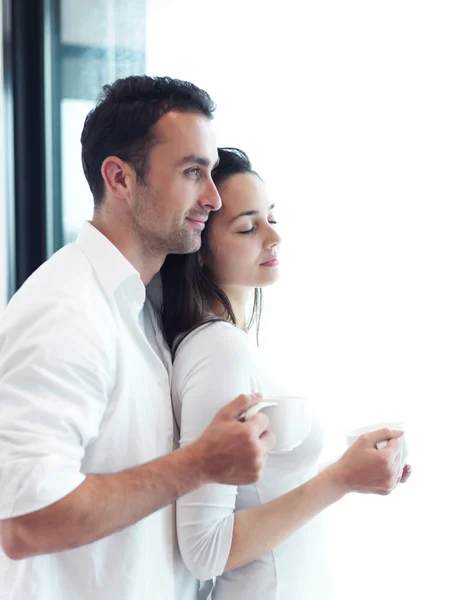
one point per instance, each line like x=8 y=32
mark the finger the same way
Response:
x=392 y=446
x=268 y=440
x=380 y=435
x=407 y=470
x=237 y=407
x=394 y=450
x=260 y=423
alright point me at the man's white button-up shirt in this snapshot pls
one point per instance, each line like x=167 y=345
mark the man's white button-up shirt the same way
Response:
x=84 y=388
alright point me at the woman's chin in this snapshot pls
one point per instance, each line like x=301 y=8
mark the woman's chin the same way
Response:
x=269 y=278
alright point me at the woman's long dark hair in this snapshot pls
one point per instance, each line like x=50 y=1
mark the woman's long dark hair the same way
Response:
x=189 y=289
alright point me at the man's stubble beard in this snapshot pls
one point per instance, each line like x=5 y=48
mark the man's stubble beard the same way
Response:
x=156 y=242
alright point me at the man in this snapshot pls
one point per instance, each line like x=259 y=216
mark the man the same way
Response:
x=87 y=473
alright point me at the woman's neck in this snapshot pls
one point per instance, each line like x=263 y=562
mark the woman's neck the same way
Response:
x=238 y=297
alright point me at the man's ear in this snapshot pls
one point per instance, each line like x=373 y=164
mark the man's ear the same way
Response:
x=119 y=177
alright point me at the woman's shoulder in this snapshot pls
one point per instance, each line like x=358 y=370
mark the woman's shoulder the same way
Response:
x=217 y=358
x=215 y=335
x=216 y=346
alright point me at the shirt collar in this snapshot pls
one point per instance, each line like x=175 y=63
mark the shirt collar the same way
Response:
x=112 y=268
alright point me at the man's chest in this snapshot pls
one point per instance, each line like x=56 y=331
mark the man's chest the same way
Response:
x=137 y=425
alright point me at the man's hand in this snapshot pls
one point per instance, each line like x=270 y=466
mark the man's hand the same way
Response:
x=229 y=451
x=232 y=451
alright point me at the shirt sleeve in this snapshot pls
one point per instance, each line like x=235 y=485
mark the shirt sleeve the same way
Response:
x=54 y=379
x=214 y=365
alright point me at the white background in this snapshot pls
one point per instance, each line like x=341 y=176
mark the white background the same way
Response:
x=344 y=109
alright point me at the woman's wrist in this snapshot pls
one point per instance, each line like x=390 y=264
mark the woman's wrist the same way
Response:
x=334 y=478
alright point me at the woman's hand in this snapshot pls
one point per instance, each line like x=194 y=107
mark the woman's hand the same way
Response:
x=366 y=470
x=406 y=473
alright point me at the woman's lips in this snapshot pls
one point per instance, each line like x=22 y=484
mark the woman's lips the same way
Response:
x=273 y=262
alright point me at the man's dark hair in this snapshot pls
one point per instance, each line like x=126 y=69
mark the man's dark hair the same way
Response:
x=121 y=122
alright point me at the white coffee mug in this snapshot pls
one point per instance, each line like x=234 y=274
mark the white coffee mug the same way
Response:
x=290 y=419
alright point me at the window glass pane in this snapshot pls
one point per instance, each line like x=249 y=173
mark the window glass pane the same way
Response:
x=3 y=217
x=100 y=41
x=77 y=197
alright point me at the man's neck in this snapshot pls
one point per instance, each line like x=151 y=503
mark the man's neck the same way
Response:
x=125 y=242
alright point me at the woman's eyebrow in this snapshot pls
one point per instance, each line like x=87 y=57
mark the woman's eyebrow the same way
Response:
x=250 y=213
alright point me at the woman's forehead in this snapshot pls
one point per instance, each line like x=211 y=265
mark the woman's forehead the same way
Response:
x=241 y=192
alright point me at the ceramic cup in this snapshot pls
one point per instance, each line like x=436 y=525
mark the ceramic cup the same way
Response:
x=290 y=419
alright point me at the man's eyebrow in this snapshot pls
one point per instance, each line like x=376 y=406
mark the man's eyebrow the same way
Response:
x=198 y=160
x=250 y=213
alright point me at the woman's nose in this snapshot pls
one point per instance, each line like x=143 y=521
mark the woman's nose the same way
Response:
x=274 y=239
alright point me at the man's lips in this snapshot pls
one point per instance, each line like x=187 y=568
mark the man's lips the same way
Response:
x=197 y=222
x=198 y=219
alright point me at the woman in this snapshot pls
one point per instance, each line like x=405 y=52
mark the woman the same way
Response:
x=255 y=541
